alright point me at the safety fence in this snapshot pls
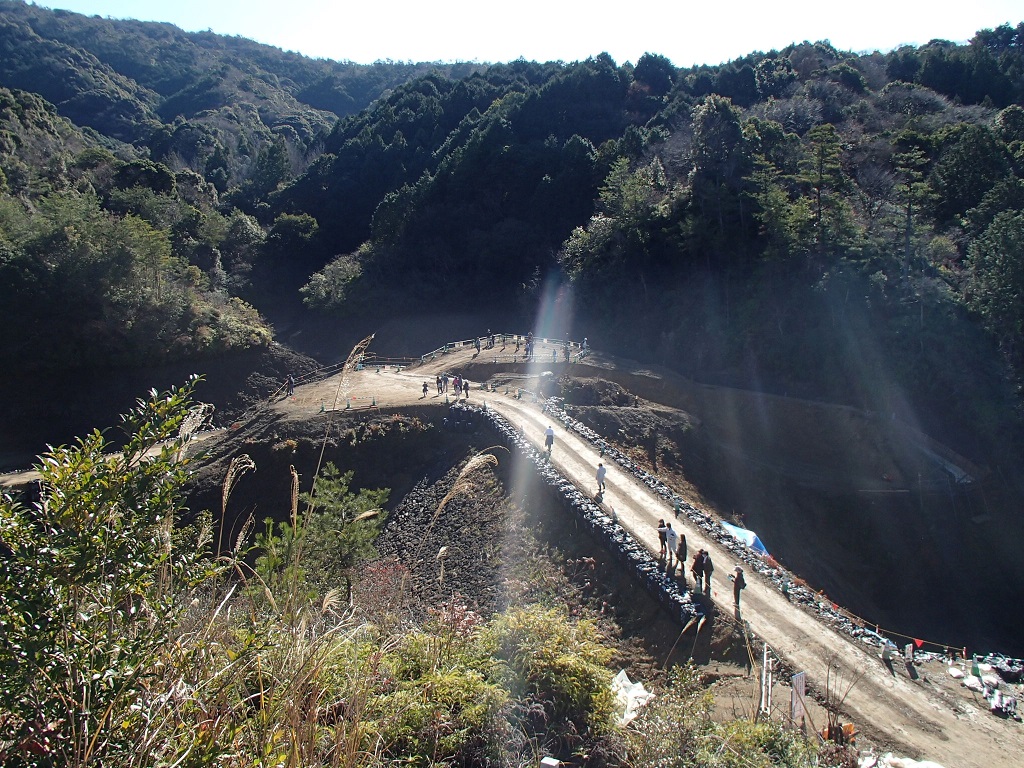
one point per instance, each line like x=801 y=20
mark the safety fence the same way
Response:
x=364 y=362
x=496 y=348
x=511 y=348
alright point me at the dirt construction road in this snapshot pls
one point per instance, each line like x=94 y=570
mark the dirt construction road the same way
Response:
x=914 y=718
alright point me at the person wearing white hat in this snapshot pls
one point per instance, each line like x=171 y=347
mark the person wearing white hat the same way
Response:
x=738 y=583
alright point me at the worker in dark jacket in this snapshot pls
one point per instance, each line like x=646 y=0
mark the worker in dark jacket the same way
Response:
x=738 y=583
x=697 y=569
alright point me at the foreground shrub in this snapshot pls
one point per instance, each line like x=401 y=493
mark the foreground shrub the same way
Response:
x=676 y=730
x=434 y=702
x=96 y=579
x=547 y=658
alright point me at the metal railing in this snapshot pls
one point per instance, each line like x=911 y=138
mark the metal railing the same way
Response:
x=496 y=345
x=496 y=352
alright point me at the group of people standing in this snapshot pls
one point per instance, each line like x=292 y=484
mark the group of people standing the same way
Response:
x=460 y=386
x=529 y=346
x=673 y=552
x=528 y=352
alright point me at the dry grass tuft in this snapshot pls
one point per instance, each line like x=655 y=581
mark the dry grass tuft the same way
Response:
x=238 y=467
x=464 y=482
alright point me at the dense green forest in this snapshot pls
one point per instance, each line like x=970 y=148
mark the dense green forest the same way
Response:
x=810 y=221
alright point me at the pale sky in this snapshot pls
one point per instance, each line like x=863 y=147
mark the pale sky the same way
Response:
x=687 y=32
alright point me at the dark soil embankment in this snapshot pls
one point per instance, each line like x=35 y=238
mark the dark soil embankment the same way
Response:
x=383 y=450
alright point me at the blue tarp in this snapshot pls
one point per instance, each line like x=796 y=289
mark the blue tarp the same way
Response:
x=747 y=537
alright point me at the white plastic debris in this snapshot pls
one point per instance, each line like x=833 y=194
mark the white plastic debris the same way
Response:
x=629 y=697
x=973 y=683
x=889 y=760
x=955 y=673
x=995 y=702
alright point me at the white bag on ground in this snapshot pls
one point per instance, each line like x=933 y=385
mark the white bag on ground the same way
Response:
x=629 y=697
x=889 y=760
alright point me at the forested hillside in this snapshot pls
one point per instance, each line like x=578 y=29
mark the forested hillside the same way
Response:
x=810 y=221
x=184 y=93
x=133 y=157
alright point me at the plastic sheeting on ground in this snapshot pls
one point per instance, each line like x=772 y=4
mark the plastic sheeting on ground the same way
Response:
x=747 y=537
x=889 y=760
x=629 y=697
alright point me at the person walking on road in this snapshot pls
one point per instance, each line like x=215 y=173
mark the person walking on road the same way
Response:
x=601 y=472
x=425 y=389
x=671 y=542
x=738 y=584
x=681 y=556
x=697 y=569
x=549 y=439
x=662 y=531
x=708 y=570
x=290 y=381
